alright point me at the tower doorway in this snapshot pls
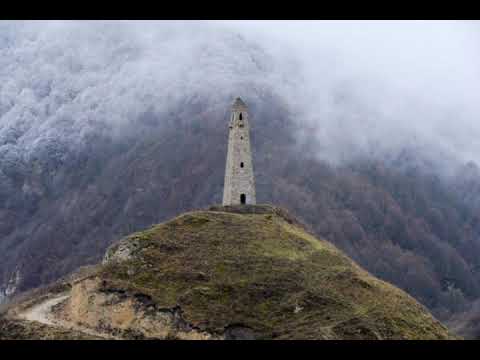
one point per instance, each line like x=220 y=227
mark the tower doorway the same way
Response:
x=243 y=199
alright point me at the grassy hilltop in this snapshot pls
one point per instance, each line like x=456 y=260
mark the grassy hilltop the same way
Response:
x=248 y=272
x=265 y=272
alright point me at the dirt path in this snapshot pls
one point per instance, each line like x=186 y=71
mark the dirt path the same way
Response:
x=42 y=313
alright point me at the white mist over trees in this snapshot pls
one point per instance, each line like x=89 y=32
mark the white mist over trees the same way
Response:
x=110 y=127
x=356 y=86
x=409 y=83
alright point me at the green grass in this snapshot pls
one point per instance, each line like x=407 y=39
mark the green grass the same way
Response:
x=255 y=269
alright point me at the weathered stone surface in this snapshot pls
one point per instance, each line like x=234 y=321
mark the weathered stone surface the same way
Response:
x=239 y=179
x=121 y=251
x=92 y=305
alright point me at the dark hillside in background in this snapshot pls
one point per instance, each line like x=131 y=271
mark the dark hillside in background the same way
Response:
x=398 y=220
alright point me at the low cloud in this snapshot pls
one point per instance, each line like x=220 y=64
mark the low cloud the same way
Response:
x=353 y=85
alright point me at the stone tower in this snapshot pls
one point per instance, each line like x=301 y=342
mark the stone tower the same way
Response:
x=239 y=186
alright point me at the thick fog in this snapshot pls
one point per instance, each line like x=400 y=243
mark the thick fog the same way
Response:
x=353 y=86
x=410 y=83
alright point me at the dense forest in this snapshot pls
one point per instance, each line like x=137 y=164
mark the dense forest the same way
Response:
x=107 y=129
x=399 y=220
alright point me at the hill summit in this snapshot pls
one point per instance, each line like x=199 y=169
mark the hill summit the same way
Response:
x=229 y=272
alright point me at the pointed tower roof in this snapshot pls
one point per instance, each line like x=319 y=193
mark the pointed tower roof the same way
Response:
x=239 y=104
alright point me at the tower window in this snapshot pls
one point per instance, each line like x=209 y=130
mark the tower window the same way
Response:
x=241 y=137
x=243 y=199
x=240 y=116
x=241 y=164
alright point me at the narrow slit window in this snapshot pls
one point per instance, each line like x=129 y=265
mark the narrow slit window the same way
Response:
x=241 y=164
x=240 y=116
x=243 y=199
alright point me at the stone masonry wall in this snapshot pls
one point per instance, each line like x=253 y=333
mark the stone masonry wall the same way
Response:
x=239 y=180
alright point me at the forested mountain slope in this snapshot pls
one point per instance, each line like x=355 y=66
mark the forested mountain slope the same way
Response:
x=99 y=147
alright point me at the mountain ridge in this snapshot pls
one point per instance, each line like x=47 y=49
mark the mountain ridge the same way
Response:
x=388 y=218
x=93 y=148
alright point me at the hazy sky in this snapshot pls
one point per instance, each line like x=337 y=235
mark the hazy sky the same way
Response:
x=354 y=84
x=419 y=78
x=411 y=55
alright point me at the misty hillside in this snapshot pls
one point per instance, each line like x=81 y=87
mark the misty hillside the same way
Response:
x=102 y=134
